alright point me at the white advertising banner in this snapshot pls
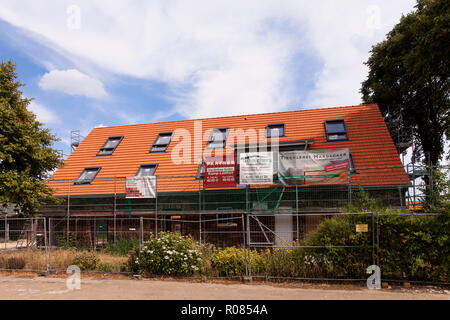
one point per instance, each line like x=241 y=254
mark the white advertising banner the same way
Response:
x=256 y=168
x=314 y=167
x=141 y=187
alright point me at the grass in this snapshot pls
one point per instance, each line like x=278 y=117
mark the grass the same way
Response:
x=121 y=246
x=34 y=259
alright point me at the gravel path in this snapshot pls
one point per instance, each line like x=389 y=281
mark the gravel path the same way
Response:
x=34 y=287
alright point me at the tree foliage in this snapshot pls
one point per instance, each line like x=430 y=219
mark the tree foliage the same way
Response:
x=409 y=77
x=26 y=155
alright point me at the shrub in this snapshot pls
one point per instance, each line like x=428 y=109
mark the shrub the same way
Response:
x=169 y=254
x=15 y=263
x=231 y=261
x=87 y=261
x=122 y=246
x=105 y=267
x=123 y=267
x=414 y=247
x=73 y=242
x=334 y=249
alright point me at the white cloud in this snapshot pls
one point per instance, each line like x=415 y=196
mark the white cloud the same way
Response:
x=220 y=57
x=72 y=82
x=43 y=114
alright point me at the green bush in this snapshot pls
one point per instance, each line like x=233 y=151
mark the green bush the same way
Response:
x=105 y=267
x=168 y=254
x=122 y=246
x=413 y=247
x=86 y=261
x=73 y=242
x=336 y=250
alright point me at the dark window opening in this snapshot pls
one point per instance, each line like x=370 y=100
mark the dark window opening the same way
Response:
x=275 y=130
x=218 y=138
x=352 y=164
x=162 y=142
x=110 y=145
x=88 y=175
x=146 y=170
x=336 y=130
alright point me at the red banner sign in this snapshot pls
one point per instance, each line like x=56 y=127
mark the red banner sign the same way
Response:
x=220 y=173
x=337 y=166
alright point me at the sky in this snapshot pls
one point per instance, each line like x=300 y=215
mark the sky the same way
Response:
x=105 y=63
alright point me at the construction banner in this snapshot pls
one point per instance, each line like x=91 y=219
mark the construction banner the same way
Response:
x=141 y=187
x=220 y=172
x=256 y=168
x=314 y=167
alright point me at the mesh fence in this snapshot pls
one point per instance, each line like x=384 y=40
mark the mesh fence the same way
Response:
x=314 y=246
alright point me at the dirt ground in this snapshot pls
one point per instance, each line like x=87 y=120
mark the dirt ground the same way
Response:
x=20 y=286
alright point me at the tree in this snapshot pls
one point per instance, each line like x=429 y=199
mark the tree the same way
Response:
x=26 y=156
x=409 y=78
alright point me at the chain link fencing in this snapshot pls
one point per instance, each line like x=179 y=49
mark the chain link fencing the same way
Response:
x=276 y=247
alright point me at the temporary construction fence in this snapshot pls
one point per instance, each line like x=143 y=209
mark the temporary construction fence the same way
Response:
x=21 y=233
x=273 y=246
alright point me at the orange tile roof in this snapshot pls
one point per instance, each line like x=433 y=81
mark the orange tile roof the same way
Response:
x=369 y=142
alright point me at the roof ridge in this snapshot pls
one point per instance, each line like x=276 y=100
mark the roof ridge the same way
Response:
x=240 y=115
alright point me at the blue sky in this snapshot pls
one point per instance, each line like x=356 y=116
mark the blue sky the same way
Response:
x=104 y=63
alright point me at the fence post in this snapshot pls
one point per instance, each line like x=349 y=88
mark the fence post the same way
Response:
x=245 y=247
x=6 y=231
x=50 y=243
x=373 y=238
x=141 y=233
x=249 y=248
x=45 y=244
x=115 y=194
x=378 y=239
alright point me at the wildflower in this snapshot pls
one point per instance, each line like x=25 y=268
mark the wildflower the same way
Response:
x=166 y=257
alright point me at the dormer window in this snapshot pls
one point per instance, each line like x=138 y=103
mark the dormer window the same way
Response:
x=336 y=130
x=162 y=142
x=275 y=130
x=146 y=170
x=88 y=175
x=218 y=138
x=110 y=145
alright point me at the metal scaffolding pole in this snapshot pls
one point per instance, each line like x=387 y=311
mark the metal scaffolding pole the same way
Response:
x=156 y=207
x=68 y=212
x=296 y=210
x=114 y=209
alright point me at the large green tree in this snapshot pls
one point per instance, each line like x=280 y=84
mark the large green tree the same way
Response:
x=409 y=79
x=26 y=154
